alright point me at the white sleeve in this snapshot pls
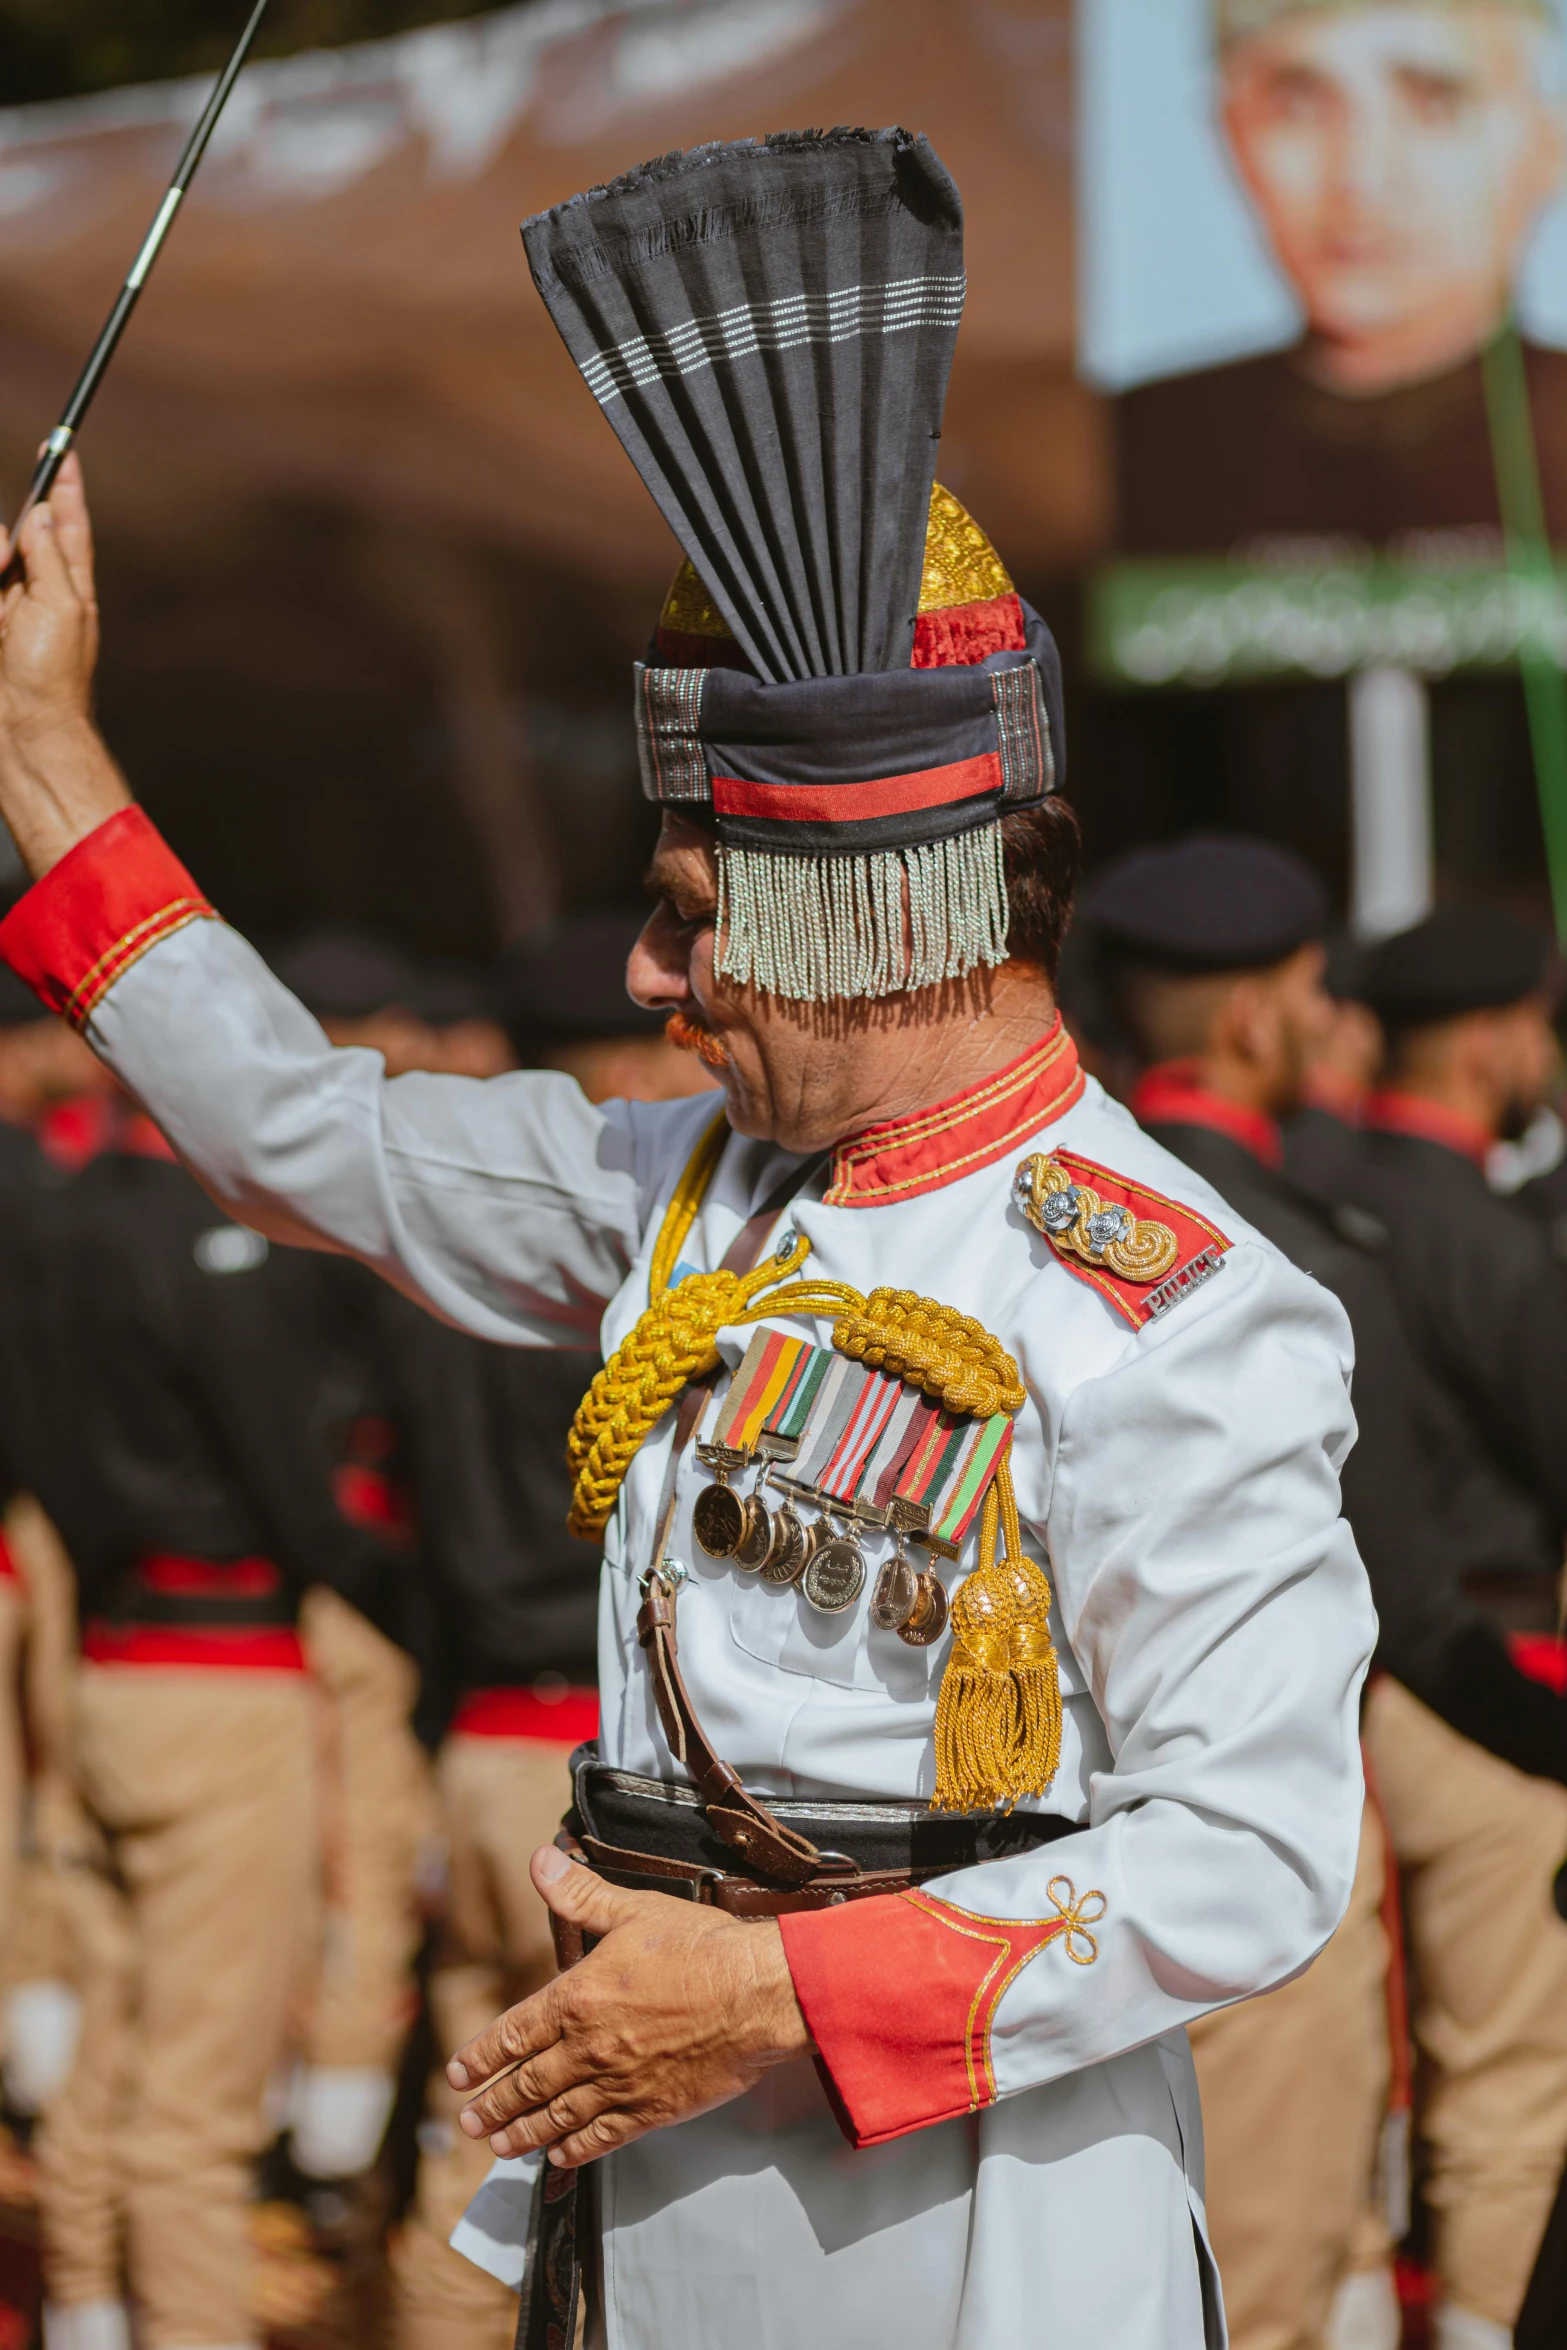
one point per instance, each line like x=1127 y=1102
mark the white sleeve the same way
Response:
x=1215 y=1602
x=511 y=1205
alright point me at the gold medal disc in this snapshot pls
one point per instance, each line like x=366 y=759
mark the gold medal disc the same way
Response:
x=929 y=1619
x=835 y=1575
x=718 y=1520
x=756 y=1536
x=786 y=1559
x=897 y=1590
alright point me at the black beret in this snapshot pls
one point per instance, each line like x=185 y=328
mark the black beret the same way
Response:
x=569 y=980
x=1212 y=902
x=1460 y=959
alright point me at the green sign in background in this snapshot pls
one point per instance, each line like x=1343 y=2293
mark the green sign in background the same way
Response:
x=1209 y=622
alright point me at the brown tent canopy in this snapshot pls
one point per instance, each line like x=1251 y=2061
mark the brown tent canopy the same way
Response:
x=344 y=307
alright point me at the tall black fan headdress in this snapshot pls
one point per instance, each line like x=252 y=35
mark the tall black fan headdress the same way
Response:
x=843 y=675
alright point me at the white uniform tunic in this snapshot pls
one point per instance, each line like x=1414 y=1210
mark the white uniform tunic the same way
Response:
x=1178 y=1481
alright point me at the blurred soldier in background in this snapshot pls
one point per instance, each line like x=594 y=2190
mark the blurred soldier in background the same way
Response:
x=55 y=1108
x=1342 y=1062
x=1211 y=950
x=197 y=1509
x=1465 y=999
x=379 y=1817
x=518 y=1600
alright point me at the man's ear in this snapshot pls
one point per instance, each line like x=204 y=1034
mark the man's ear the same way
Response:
x=1237 y=1018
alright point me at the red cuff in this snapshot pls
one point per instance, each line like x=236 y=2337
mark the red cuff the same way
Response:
x=117 y=893
x=900 y=1993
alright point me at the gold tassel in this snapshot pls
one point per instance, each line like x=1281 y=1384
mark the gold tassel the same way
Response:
x=998 y=1717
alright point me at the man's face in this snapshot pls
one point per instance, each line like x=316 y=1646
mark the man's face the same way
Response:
x=672 y=969
x=1271 y=1023
x=1398 y=154
x=1527 y=1058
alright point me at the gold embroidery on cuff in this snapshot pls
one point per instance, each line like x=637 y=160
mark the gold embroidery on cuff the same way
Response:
x=95 y=984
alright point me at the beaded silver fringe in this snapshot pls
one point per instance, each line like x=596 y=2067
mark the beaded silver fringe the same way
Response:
x=816 y=928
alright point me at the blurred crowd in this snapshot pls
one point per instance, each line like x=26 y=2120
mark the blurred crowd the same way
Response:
x=296 y=1645
x=1385 y=1115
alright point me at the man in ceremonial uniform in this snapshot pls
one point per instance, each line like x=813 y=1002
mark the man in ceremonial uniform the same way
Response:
x=1465 y=999
x=980 y=1666
x=1212 y=947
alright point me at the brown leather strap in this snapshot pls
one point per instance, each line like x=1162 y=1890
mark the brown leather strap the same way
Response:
x=762 y=1841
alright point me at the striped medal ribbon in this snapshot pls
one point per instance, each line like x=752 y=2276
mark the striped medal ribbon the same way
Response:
x=727 y=1524
x=934 y=1489
x=852 y=1408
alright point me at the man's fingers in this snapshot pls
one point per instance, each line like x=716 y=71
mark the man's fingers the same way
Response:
x=576 y=1894
x=602 y=2135
x=73 y=526
x=47 y=576
x=523 y=2090
x=521 y=2032
x=568 y=2115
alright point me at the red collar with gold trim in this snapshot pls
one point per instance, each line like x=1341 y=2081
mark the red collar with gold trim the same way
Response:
x=907 y=1157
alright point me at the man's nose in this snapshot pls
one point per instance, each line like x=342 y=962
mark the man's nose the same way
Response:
x=658 y=968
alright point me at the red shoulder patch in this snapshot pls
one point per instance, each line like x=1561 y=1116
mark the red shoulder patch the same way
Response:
x=1141 y=1251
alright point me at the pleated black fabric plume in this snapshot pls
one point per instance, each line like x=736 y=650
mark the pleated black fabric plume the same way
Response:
x=769 y=327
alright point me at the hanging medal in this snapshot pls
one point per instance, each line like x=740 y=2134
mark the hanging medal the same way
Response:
x=939 y=1485
x=833 y=1460
x=726 y=1524
x=780 y=1441
x=893 y=1600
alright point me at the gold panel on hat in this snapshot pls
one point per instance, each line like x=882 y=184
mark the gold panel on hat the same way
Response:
x=961 y=567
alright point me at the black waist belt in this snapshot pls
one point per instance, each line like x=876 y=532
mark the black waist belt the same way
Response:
x=646 y=1834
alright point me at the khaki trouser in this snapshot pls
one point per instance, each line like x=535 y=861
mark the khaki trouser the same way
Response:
x=1479 y=1844
x=13 y=1628
x=1294 y=2088
x=204 y=1785
x=378 y=1812
x=501 y=1798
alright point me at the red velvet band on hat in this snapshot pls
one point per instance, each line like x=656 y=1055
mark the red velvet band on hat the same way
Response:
x=853 y=803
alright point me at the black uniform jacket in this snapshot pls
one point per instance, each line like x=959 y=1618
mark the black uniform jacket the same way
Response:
x=1545 y=1199
x=184 y=1373
x=31 y=1206
x=1434 y=1637
x=1485 y=1302
x=484 y=1435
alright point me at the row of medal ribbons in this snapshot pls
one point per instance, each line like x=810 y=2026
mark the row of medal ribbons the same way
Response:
x=862 y=1449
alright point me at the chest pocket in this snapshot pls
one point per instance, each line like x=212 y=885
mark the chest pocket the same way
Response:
x=781 y=1628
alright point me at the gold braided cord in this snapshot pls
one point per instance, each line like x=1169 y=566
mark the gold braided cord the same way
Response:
x=674 y=1342
x=945 y=1354
x=688 y=1196
x=998 y=1714
x=935 y=1348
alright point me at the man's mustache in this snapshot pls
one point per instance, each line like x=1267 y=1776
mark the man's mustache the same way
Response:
x=694 y=1036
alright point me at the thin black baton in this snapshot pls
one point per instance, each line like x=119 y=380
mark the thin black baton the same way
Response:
x=103 y=350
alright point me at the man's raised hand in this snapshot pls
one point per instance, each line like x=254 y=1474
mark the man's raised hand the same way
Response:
x=57 y=780
x=678 y=2009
